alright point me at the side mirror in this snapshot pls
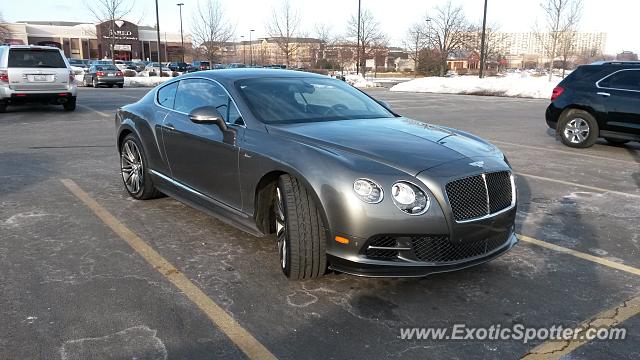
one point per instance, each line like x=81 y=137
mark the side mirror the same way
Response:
x=208 y=115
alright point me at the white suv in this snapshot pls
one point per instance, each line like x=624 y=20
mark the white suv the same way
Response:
x=31 y=74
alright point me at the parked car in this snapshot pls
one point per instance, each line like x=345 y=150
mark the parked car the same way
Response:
x=121 y=64
x=200 y=65
x=178 y=66
x=137 y=66
x=155 y=67
x=340 y=179
x=78 y=63
x=236 y=66
x=101 y=62
x=30 y=74
x=597 y=100
x=108 y=75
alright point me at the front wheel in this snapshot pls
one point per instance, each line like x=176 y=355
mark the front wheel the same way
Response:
x=578 y=129
x=300 y=232
x=134 y=170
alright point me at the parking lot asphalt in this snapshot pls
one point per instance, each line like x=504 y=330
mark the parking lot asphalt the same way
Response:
x=71 y=288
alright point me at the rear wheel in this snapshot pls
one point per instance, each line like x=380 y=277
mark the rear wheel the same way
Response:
x=616 y=141
x=3 y=107
x=94 y=82
x=69 y=105
x=578 y=129
x=134 y=170
x=299 y=231
x=85 y=82
x=120 y=85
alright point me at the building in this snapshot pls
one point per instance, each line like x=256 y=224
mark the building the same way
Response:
x=267 y=51
x=627 y=56
x=531 y=43
x=94 y=41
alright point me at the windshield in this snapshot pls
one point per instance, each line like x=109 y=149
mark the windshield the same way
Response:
x=292 y=100
x=36 y=58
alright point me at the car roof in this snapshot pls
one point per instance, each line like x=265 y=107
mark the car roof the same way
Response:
x=44 y=47
x=252 y=73
x=617 y=62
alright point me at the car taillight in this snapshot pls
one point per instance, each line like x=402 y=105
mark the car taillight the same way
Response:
x=119 y=73
x=100 y=73
x=202 y=67
x=4 y=76
x=557 y=91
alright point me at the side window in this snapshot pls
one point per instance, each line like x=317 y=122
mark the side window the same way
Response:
x=625 y=80
x=167 y=95
x=234 y=114
x=194 y=93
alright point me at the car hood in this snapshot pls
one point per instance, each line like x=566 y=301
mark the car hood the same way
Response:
x=408 y=145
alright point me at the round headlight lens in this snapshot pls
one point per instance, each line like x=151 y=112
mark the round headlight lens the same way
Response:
x=409 y=198
x=367 y=191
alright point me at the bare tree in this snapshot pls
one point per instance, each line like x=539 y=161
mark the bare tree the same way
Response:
x=371 y=38
x=210 y=29
x=447 y=30
x=414 y=43
x=567 y=48
x=110 y=12
x=4 y=30
x=284 y=29
x=492 y=42
x=561 y=17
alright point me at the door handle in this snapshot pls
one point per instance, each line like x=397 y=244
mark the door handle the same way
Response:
x=605 y=94
x=169 y=126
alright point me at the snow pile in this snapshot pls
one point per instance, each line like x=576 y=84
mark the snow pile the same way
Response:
x=358 y=81
x=513 y=85
x=145 y=81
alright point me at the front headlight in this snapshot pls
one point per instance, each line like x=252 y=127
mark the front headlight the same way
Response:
x=368 y=191
x=409 y=198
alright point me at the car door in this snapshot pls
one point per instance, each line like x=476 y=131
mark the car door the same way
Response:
x=200 y=156
x=621 y=97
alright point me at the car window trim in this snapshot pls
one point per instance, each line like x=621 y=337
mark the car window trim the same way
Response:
x=612 y=88
x=155 y=98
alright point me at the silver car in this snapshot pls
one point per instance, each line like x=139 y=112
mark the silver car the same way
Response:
x=30 y=74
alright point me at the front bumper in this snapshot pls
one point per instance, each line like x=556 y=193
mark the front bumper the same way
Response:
x=390 y=269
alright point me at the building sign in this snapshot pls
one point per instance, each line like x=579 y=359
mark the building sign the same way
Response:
x=122 y=36
x=121 y=47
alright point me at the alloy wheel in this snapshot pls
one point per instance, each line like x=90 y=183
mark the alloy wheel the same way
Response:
x=281 y=229
x=577 y=130
x=132 y=167
x=95 y=83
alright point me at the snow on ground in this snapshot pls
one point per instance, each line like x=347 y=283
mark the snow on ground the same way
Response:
x=512 y=85
x=145 y=81
x=358 y=81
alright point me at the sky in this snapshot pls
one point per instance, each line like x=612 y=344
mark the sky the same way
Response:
x=394 y=16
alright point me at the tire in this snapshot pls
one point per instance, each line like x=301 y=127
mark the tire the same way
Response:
x=86 y=83
x=110 y=85
x=300 y=232
x=120 y=86
x=133 y=162
x=578 y=129
x=69 y=105
x=616 y=141
x=3 y=107
x=94 y=83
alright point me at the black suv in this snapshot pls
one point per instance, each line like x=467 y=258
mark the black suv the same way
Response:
x=597 y=100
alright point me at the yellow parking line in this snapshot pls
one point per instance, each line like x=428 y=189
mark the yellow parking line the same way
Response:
x=581 y=255
x=594 y=188
x=572 y=153
x=241 y=337
x=556 y=349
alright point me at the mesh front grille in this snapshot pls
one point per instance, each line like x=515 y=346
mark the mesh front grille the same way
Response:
x=471 y=197
x=499 y=187
x=438 y=249
x=383 y=241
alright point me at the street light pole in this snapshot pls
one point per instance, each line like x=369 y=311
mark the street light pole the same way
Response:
x=250 y=48
x=244 y=50
x=483 y=54
x=158 y=34
x=358 y=41
x=181 y=35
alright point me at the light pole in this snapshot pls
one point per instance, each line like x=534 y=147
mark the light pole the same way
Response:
x=483 y=55
x=181 y=36
x=358 y=42
x=244 y=50
x=250 y=48
x=158 y=33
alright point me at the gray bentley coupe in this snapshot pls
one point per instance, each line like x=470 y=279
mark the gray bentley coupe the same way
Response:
x=342 y=181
